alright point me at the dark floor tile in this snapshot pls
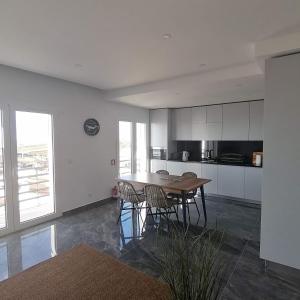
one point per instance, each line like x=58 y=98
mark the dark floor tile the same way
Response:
x=250 y=281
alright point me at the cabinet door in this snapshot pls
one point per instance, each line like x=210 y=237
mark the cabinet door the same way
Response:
x=214 y=123
x=214 y=114
x=231 y=181
x=253 y=182
x=192 y=167
x=210 y=172
x=175 y=167
x=158 y=128
x=235 y=121
x=198 y=123
x=256 y=120
x=183 y=124
x=157 y=164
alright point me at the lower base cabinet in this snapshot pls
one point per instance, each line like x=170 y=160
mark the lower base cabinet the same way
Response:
x=178 y=168
x=231 y=181
x=210 y=172
x=157 y=164
x=253 y=183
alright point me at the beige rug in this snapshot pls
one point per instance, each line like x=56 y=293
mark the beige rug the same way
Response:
x=82 y=273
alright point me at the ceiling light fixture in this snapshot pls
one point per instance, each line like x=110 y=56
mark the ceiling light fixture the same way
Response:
x=167 y=36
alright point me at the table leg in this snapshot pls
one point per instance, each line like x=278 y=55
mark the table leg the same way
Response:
x=183 y=197
x=203 y=204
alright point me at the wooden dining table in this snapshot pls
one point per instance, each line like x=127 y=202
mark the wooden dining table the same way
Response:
x=171 y=184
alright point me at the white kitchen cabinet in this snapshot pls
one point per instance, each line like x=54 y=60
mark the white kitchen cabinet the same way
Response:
x=256 y=120
x=198 y=123
x=192 y=167
x=253 y=183
x=157 y=164
x=235 y=121
x=210 y=172
x=213 y=123
x=159 y=128
x=231 y=181
x=182 y=124
x=178 y=168
x=175 y=167
x=214 y=113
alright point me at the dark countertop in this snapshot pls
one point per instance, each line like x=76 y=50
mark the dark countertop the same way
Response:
x=218 y=163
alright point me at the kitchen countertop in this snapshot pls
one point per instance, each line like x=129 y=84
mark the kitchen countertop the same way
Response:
x=217 y=163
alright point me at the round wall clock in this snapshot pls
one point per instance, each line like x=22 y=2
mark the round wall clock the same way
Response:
x=91 y=127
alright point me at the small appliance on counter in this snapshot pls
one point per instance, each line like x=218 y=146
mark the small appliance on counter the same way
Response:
x=158 y=153
x=257 y=158
x=185 y=155
x=232 y=158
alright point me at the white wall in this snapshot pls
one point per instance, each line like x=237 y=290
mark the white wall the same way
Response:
x=280 y=220
x=83 y=171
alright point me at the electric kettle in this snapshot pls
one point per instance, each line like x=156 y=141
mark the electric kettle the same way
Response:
x=185 y=155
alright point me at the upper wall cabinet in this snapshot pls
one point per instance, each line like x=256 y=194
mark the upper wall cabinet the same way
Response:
x=198 y=123
x=159 y=128
x=235 y=121
x=182 y=124
x=207 y=122
x=213 y=123
x=256 y=120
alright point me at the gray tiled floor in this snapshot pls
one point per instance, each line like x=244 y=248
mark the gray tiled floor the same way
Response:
x=245 y=277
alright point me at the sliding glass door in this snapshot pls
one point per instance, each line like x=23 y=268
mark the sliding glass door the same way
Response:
x=3 y=206
x=34 y=165
x=26 y=169
x=141 y=147
x=132 y=147
x=125 y=148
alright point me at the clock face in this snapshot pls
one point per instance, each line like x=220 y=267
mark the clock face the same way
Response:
x=91 y=127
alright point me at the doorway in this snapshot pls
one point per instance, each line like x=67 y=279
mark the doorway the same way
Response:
x=27 y=189
x=132 y=147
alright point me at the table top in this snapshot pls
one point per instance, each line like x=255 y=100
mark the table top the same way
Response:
x=169 y=182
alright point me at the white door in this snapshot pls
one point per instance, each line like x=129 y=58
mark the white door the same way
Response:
x=27 y=193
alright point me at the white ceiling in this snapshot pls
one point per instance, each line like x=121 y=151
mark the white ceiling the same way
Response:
x=114 y=44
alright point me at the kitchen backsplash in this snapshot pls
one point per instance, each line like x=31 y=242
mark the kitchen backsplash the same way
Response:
x=199 y=150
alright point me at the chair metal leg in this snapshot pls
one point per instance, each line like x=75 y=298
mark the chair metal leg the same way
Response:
x=188 y=208
x=176 y=213
x=203 y=204
x=121 y=208
x=197 y=209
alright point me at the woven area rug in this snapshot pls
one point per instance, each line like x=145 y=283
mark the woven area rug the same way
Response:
x=82 y=273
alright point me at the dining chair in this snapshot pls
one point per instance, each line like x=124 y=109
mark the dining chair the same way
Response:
x=158 y=199
x=191 y=195
x=127 y=193
x=162 y=172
